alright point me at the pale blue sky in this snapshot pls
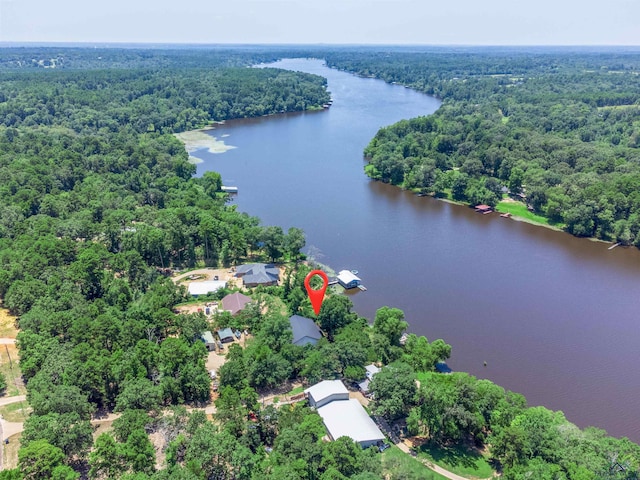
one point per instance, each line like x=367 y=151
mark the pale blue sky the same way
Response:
x=466 y=22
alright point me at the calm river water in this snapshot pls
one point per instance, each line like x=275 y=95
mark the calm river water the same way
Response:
x=555 y=317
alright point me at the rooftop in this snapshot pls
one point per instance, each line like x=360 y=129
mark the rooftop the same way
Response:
x=304 y=327
x=345 y=276
x=325 y=389
x=257 y=273
x=347 y=418
x=202 y=288
x=235 y=302
x=225 y=333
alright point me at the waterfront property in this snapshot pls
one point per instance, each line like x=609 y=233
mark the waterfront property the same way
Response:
x=235 y=302
x=305 y=331
x=204 y=288
x=326 y=391
x=484 y=209
x=348 y=279
x=254 y=274
x=347 y=418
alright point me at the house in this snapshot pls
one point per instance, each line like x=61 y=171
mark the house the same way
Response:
x=225 y=335
x=304 y=330
x=370 y=371
x=326 y=391
x=204 y=288
x=209 y=342
x=347 y=418
x=348 y=279
x=235 y=302
x=254 y=274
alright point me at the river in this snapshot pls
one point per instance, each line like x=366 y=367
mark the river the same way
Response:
x=554 y=317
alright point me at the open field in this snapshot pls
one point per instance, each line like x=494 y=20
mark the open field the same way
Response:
x=7 y=324
x=15 y=412
x=520 y=210
x=397 y=464
x=464 y=462
x=10 y=452
x=10 y=368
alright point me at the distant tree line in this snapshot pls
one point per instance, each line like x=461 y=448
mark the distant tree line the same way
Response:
x=560 y=130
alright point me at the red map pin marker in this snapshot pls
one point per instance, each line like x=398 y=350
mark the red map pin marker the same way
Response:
x=316 y=296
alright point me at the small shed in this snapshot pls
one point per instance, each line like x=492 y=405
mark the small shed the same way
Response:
x=225 y=335
x=209 y=342
x=204 y=288
x=326 y=391
x=348 y=279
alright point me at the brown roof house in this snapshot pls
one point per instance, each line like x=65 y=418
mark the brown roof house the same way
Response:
x=235 y=302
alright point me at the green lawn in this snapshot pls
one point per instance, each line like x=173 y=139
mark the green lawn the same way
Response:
x=296 y=391
x=459 y=460
x=398 y=464
x=15 y=412
x=519 y=209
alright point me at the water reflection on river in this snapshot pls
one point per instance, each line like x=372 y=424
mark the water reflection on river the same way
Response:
x=554 y=317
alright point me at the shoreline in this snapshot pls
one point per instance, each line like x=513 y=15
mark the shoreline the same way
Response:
x=199 y=139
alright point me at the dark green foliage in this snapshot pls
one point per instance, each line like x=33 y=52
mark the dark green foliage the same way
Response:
x=559 y=128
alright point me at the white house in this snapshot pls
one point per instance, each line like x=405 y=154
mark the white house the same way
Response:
x=326 y=391
x=347 y=418
x=203 y=288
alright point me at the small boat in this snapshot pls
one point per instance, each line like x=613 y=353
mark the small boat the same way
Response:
x=355 y=272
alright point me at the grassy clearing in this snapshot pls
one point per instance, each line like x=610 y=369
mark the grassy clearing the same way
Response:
x=7 y=324
x=296 y=391
x=10 y=452
x=11 y=370
x=397 y=464
x=462 y=461
x=16 y=412
x=519 y=209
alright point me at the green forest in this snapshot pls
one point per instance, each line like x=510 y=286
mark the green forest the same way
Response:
x=556 y=130
x=99 y=205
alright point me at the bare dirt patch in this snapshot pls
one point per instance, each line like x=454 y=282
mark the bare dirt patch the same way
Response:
x=7 y=324
x=10 y=452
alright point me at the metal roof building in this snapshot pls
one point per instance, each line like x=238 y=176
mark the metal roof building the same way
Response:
x=203 y=288
x=326 y=391
x=348 y=279
x=254 y=274
x=304 y=330
x=347 y=418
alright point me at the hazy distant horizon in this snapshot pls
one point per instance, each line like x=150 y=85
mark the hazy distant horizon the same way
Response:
x=327 y=22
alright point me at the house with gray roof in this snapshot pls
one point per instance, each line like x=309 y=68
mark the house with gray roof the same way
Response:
x=225 y=335
x=254 y=274
x=304 y=330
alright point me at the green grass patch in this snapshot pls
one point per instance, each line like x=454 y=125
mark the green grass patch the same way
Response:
x=519 y=209
x=296 y=391
x=10 y=368
x=16 y=412
x=462 y=461
x=397 y=464
x=10 y=450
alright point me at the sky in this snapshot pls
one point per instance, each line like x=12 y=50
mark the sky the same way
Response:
x=416 y=22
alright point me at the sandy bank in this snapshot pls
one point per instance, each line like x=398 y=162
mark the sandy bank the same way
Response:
x=199 y=139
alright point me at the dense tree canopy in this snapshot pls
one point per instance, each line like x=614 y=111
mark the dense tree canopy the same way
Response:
x=559 y=129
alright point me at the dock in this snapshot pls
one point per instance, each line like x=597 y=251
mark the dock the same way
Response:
x=229 y=189
x=362 y=287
